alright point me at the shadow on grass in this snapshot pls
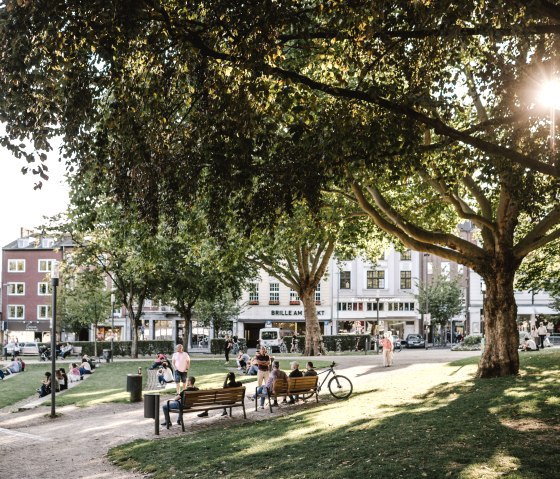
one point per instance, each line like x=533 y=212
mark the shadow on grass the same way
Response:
x=476 y=429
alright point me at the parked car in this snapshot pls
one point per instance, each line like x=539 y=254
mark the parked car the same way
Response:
x=415 y=341
x=30 y=348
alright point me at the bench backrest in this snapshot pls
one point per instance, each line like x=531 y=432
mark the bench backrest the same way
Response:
x=210 y=397
x=303 y=384
x=279 y=387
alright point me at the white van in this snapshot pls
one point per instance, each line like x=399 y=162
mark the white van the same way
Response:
x=273 y=338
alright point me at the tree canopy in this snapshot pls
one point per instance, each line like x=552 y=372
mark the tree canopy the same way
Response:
x=423 y=112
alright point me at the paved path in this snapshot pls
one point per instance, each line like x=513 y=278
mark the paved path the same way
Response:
x=75 y=444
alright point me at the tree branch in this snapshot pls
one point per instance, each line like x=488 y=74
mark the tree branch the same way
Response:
x=538 y=237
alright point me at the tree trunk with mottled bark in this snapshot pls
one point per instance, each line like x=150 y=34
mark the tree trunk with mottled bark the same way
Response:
x=313 y=338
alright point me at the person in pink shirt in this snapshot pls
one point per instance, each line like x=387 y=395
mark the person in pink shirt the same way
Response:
x=181 y=361
x=387 y=345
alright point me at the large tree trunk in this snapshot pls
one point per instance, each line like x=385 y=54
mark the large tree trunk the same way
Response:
x=500 y=356
x=313 y=338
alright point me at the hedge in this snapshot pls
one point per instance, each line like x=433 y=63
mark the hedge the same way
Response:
x=122 y=348
x=346 y=342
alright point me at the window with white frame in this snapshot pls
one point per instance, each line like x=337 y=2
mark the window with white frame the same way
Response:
x=294 y=297
x=16 y=311
x=16 y=266
x=16 y=289
x=274 y=293
x=460 y=269
x=345 y=278
x=406 y=255
x=44 y=311
x=406 y=279
x=44 y=288
x=254 y=293
x=45 y=265
x=318 y=293
x=375 y=279
x=429 y=267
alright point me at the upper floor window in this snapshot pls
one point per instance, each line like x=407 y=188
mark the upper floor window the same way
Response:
x=460 y=269
x=318 y=294
x=445 y=269
x=375 y=279
x=44 y=311
x=16 y=311
x=254 y=293
x=294 y=297
x=44 y=288
x=16 y=266
x=345 y=280
x=406 y=279
x=16 y=289
x=274 y=293
x=46 y=265
x=406 y=255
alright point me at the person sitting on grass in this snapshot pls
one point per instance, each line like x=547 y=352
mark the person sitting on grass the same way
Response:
x=158 y=363
x=177 y=402
x=74 y=373
x=165 y=375
x=242 y=361
x=46 y=386
x=85 y=368
x=529 y=345
x=253 y=370
x=62 y=379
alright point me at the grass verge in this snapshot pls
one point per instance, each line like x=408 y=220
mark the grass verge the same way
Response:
x=428 y=421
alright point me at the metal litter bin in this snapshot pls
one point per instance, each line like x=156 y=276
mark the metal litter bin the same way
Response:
x=134 y=387
x=151 y=409
x=107 y=355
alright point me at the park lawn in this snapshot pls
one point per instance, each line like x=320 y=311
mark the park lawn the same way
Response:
x=22 y=385
x=108 y=383
x=431 y=421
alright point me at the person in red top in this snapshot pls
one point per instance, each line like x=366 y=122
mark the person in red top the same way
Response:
x=387 y=345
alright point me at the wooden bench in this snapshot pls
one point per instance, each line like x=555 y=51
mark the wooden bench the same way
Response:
x=306 y=385
x=206 y=399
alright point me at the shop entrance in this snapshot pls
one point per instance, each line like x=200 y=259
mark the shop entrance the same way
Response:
x=252 y=333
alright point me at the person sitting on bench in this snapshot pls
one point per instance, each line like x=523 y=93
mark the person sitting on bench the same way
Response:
x=177 y=402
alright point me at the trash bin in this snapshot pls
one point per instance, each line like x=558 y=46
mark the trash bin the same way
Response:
x=151 y=405
x=134 y=387
x=107 y=355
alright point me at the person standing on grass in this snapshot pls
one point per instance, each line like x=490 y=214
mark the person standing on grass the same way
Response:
x=227 y=348
x=387 y=345
x=181 y=361
x=263 y=363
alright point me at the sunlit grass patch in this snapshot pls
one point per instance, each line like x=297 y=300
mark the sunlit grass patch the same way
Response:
x=433 y=422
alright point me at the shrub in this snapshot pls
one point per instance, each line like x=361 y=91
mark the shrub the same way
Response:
x=472 y=340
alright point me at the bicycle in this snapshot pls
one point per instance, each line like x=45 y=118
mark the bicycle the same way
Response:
x=339 y=386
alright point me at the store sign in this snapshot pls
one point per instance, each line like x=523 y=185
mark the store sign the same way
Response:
x=292 y=312
x=31 y=326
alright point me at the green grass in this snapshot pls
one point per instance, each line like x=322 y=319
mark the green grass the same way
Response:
x=433 y=421
x=22 y=385
x=108 y=383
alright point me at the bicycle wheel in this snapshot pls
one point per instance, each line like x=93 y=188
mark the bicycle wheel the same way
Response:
x=340 y=387
x=306 y=396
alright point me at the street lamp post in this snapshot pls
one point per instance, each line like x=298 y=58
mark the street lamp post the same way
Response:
x=112 y=324
x=54 y=283
x=377 y=324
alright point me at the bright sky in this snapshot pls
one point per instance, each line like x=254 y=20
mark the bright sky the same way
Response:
x=21 y=205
